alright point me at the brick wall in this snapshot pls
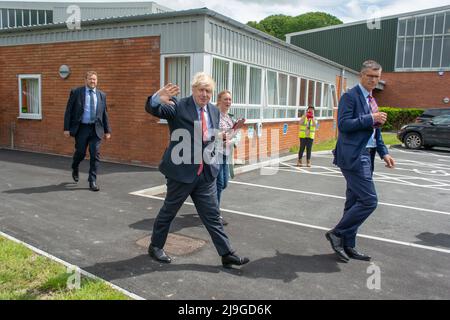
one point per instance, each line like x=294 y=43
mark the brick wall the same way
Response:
x=128 y=71
x=414 y=89
x=264 y=145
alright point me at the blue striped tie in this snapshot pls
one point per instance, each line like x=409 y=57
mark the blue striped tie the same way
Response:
x=92 y=105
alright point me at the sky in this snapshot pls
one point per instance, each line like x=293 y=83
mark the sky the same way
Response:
x=256 y=10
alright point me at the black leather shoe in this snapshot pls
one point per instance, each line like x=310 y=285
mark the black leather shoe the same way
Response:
x=336 y=245
x=158 y=254
x=232 y=259
x=75 y=175
x=93 y=186
x=354 y=254
x=224 y=222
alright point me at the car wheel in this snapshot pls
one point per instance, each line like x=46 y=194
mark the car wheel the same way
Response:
x=413 y=140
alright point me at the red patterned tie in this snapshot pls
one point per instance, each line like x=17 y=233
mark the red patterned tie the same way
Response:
x=204 y=136
x=374 y=108
x=373 y=104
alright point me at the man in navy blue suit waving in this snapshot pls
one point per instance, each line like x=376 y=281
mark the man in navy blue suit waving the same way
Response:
x=359 y=140
x=190 y=164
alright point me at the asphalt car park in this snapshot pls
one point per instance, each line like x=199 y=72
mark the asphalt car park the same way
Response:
x=277 y=216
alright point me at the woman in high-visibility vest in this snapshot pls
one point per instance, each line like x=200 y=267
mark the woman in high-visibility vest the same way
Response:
x=307 y=129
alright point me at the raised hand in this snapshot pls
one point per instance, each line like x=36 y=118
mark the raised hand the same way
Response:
x=167 y=92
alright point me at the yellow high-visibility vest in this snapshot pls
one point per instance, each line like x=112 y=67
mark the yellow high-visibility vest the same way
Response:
x=311 y=124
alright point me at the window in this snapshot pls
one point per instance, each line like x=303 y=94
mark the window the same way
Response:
x=303 y=93
x=220 y=74
x=437 y=46
x=446 y=57
x=239 y=83
x=4 y=18
x=318 y=94
x=34 y=17
x=49 y=16
x=282 y=85
x=292 y=91
x=422 y=44
x=12 y=18
x=26 y=17
x=30 y=97
x=178 y=71
x=19 y=21
x=420 y=24
x=334 y=96
x=311 y=90
x=255 y=85
x=272 y=88
x=439 y=24
x=417 y=62
x=41 y=16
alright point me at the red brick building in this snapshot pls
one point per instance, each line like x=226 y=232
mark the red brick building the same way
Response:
x=271 y=81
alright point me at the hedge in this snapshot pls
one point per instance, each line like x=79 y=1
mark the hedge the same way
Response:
x=397 y=117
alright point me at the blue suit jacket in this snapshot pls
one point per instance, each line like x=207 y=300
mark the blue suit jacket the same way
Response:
x=75 y=109
x=355 y=126
x=187 y=144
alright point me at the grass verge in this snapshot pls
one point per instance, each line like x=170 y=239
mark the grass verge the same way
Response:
x=25 y=275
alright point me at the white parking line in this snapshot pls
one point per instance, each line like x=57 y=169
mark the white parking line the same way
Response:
x=408 y=244
x=336 y=197
x=429 y=183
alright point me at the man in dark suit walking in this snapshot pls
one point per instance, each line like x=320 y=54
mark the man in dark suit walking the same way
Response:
x=86 y=119
x=190 y=164
x=359 y=140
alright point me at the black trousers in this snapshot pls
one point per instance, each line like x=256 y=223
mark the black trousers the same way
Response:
x=305 y=142
x=204 y=196
x=85 y=137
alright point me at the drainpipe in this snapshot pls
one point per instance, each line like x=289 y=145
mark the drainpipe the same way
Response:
x=12 y=129
x=342 y=83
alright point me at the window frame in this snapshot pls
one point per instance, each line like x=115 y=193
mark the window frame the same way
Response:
x=30 y=116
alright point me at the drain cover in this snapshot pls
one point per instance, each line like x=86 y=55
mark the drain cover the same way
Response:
x=176 y=244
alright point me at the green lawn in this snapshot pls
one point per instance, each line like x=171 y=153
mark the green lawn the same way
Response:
x=25 y=275
x=389 y=139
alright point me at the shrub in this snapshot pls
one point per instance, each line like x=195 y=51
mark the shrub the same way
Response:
x=397 y=117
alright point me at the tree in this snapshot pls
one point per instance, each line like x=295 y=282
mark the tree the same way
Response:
x=279 y=25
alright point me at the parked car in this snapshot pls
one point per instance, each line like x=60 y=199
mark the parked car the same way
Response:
x=431 y=133
x=430 y=113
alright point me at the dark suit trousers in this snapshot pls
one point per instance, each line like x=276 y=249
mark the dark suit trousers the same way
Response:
x=204 y=196
x=361 y=200
x=85 y=137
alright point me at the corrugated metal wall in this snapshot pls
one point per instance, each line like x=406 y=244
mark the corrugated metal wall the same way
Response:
x=229 y=42
x=178 y=35
x=353 y=44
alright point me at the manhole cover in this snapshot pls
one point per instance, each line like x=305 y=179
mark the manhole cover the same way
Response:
x=176 y=244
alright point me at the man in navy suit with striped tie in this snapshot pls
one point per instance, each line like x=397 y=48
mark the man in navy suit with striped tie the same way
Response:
x=359 y=140
x=190 y=164
x=86 y=119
